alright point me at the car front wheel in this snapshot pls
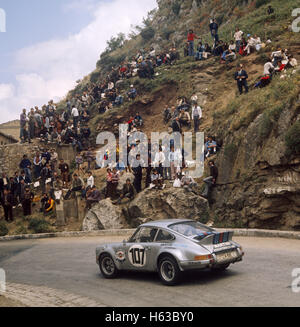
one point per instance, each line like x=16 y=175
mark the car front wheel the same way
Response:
x=169 y=271
x=108 y=267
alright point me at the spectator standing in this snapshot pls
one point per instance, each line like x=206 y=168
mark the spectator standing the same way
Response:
x=138 y=175
x=23 y=122
x=191 y=39
x=64 y=169
x=211 y=180
x=25 y=165
x=27 y=200
x=7 y=203
x=196 y=116
x=238 y=38
x=214 y=30
x=241 y=77
x=75 y=115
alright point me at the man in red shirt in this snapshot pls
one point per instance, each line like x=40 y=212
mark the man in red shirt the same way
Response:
x=191 y=38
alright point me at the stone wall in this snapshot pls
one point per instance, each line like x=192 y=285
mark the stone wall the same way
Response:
x=6 y=140
x=12 y=154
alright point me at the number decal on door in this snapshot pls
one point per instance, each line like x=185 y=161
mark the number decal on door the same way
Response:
x=137 y=256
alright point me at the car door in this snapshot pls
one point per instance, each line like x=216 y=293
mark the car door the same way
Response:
x=139 y=250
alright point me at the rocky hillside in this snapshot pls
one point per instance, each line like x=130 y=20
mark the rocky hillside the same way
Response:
x=259 y=163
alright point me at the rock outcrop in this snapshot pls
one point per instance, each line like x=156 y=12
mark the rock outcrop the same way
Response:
x=104 y=215
x=148 y=205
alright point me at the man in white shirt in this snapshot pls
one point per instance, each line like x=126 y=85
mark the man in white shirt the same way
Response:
x=75 y=115
x=90 y=181
x=196 y=116
x=268 y=68
x=159 y=161
x=238 y=38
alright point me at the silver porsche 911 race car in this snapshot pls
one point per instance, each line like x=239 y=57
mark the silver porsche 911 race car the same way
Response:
x=170 y=247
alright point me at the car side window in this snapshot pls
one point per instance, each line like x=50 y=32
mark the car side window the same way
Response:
x=164 y=236
x=145 y=235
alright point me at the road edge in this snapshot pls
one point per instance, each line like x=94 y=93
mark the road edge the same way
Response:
x=128 y=232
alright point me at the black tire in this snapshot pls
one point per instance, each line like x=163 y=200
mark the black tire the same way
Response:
x=107 y=266
x=169 y=271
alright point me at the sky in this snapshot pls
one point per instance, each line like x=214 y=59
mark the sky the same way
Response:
x=49 y=44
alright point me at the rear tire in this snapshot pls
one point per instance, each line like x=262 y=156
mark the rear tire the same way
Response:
x=169 y=271
x=107 y=267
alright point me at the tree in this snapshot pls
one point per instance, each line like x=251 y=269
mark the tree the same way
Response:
x=115 y=42
x=148 y=33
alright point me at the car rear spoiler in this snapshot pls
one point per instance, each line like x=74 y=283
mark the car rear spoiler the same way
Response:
x=214 y=238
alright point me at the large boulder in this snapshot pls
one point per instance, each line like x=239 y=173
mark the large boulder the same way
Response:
x=167 y=204
x=104 y=215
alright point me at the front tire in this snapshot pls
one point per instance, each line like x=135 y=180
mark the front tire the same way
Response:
x=169 y=271
x=107 y=267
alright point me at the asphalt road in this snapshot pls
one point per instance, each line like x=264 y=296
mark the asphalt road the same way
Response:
x=264 y=278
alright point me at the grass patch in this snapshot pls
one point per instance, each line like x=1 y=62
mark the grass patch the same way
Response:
x=3 y=228
x=292 y=139
x=38 y=226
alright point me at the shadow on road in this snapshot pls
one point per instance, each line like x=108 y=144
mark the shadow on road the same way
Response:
x=188 y=278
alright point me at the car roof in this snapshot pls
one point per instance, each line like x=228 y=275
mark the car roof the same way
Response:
x=165 y=223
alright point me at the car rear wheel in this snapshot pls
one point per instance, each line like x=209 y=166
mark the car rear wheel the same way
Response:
x=107 y=266
x=169 y=271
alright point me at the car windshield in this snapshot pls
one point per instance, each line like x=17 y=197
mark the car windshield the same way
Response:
x=190 y=228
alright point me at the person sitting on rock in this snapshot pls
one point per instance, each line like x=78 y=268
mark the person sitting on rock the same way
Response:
x=47 y=204
x=157 y=181
x=210 y=147
x=138 y=120
x=132 y=93
x=187 y=182
x=128 y=191
x=93 y=196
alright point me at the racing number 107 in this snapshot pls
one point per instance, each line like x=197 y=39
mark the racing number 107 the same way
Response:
x=138 y=256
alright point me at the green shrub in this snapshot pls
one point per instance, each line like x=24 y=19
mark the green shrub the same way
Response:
x=21 y=230
x=3 y=228
x=148 y=34
x=107 y=61
x=166 y=33
x=39 y=226
x=292 y=139
x=265 y=127
x=95 y=77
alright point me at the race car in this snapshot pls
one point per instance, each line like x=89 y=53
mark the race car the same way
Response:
x=169 y=247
